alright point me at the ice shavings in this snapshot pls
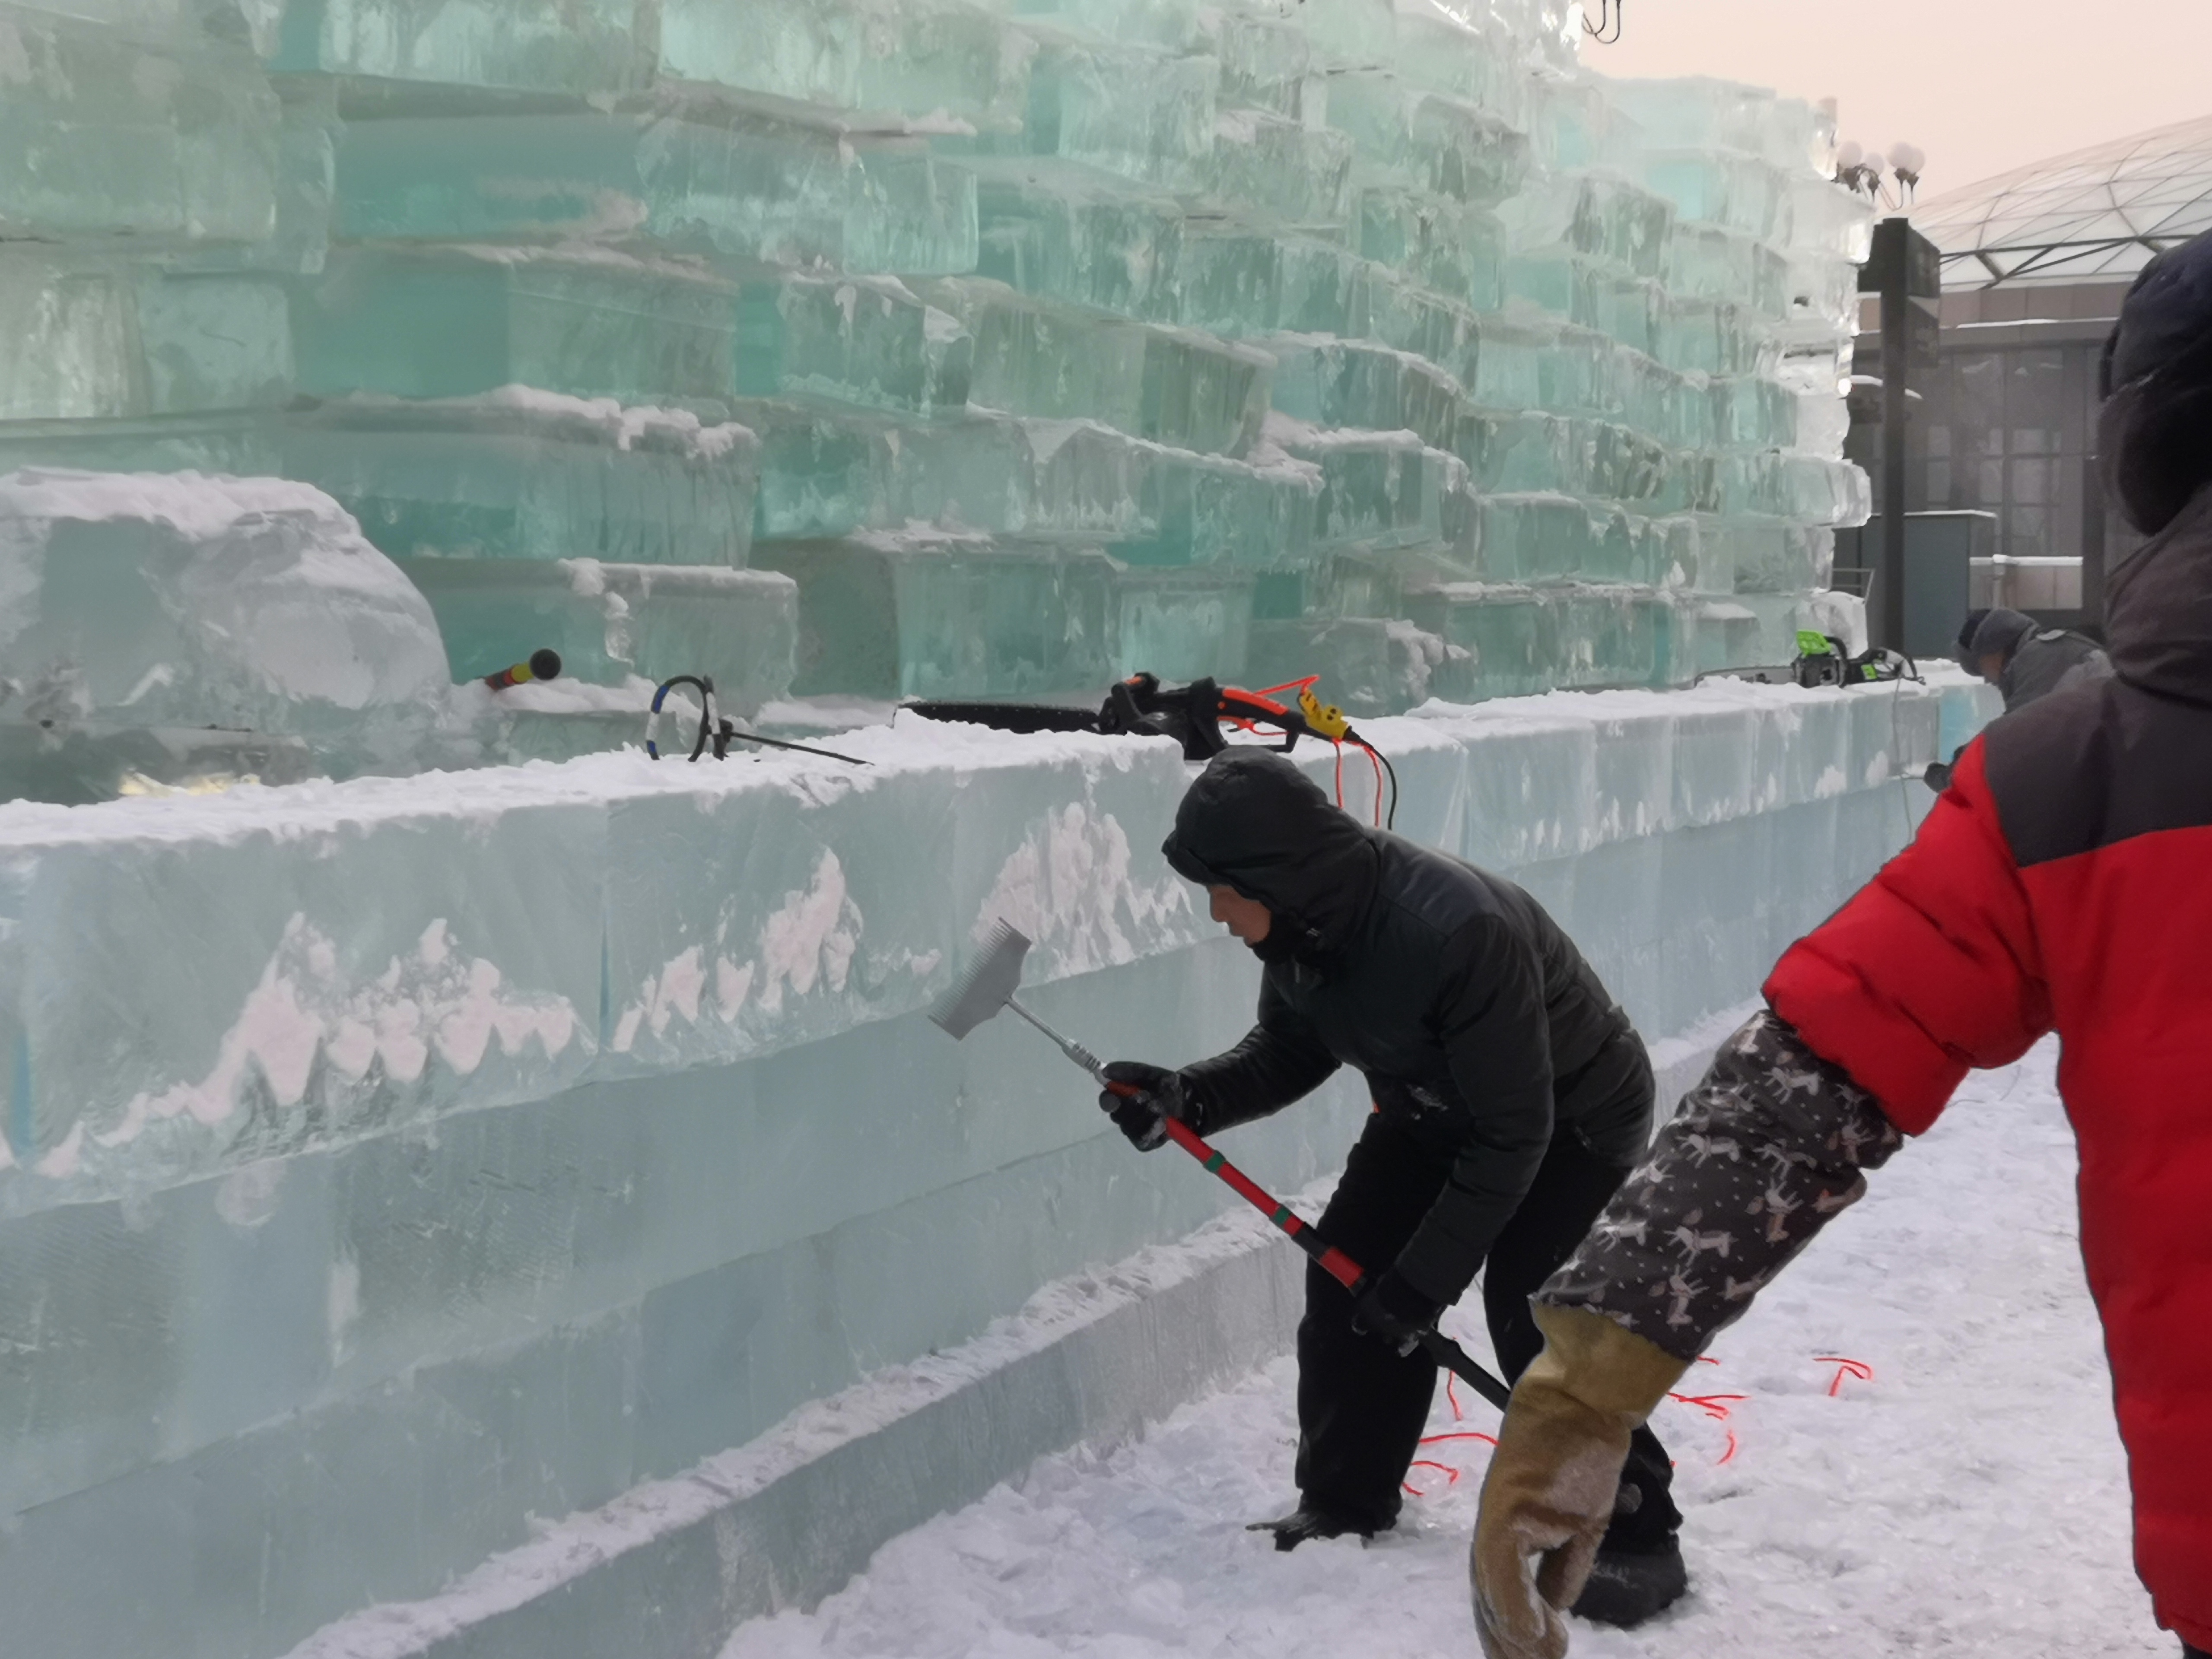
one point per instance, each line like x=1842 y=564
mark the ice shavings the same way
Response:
x=305 y=1007
x=813 y=937
x=1070 y=888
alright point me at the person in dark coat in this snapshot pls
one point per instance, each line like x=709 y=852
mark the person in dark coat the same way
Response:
x=1511 y=1097
x=2024 y=661
x=2059 y=884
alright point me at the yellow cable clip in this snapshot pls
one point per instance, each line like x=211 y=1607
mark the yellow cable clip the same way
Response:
x=1326 y=719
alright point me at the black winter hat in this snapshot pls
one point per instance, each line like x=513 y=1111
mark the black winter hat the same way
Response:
x=1993 y=632
x=2155 y=433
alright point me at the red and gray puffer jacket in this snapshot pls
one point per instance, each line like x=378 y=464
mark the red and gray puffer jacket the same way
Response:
x=2063 y=883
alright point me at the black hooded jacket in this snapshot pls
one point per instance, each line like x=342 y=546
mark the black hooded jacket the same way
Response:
x=1475 y=1021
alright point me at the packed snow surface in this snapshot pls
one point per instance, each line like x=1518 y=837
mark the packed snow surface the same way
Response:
x=1966 y=1496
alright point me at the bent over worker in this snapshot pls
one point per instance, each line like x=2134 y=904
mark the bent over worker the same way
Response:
x=1511 y=1097
x=2063 y=882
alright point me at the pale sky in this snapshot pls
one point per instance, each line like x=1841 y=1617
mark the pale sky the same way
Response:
x=1983 y=87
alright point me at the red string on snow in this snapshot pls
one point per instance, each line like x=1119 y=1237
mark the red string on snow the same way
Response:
x=1703 y=1359
x=1844 y=1368
x=1730 y=1453
x=1464 y=1434
x=1451 y=1397
x=1715 y=1406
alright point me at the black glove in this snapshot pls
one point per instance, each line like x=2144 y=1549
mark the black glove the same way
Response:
x=1392 y=1311
x=1141 y=1116
x=1937 y=776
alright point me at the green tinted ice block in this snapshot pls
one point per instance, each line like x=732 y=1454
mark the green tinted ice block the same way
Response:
x=1513 y=641
x=610 y=620
x=1236 y=279
x=825 y=474
x=450 y=322
x=1457 y=250
x=1726 y=188
x=1753 y=414
x=1424 y=142
x=1279 y=170
x=917 y=58
x=1594 y=460
x=1710 y=337
x=1267 y=64
x=526 y=476
x=1553 y=537
x=244 y=444
x=1378 y=489
x=1775 y=558
x=1477 y=62
x=1182 y=624
x=1144 y=116
x=1335 y=382
x=688 y=171
x=1203 y=510
x=575 y=47
x=1173 y=386
x=103 y=136
x=1705 y=262
x=859 y=340
x=1805 y=489
x=1697 y=113
x=1062 y=232
x=99 y=339
x=926 y=614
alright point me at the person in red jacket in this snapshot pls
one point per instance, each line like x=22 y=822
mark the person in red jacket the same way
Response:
x=2063 y=882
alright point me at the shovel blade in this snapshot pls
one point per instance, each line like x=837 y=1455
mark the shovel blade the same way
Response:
x=990 y=979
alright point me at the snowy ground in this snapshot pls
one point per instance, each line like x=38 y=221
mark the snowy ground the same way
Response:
x=1968 y=1498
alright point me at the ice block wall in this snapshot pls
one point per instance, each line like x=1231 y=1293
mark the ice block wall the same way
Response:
x=950 y=348
x=391 y=1167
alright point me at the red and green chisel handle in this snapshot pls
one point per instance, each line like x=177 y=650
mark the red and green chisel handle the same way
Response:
x=1333 y=1262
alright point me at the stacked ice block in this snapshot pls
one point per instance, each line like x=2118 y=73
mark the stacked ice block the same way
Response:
x=1015 y=345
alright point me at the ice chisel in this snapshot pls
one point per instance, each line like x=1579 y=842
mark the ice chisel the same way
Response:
x=989 y=985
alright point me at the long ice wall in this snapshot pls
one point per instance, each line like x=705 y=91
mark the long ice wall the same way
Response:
x=394 y=1166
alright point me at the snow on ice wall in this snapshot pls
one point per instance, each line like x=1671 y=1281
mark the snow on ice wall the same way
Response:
x=1037 y=343
x=388 y=1163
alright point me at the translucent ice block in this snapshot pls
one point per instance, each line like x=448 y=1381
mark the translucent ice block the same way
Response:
x=1237 y=280
x=1598 y=214
x=919 y=58
x=520 y=475
x=137 y=602
x=1427 y=143
x=1721 y=187
x=1268 y=64
x=104 y=136
x=849 y=339
x=1280 y=170
x=1203 y=510
x=1444 y=244
x=1378 y=489
x=1548 y=537
x=1173 y=386
x=1753 y=414
x=1063 y=232
x=1705 y=262
x=451 y=322
x=611 y=621
x=924 y=614
x=97 y=340
x=576 y=47
x=1348 y=383
x=685 y=170
x=1182 y=625
x=1369 y=665
x=1517 y=640
x=1144 y=116
x=1701 y=113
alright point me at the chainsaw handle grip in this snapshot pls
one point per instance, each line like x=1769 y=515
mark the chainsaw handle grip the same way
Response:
x=1127 y=1091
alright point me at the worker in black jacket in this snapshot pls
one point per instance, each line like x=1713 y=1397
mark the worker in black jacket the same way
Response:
x=1512 y=1096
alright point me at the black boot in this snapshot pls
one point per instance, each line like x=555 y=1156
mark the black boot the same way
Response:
x=1628 y=1585
x=1312 y=1520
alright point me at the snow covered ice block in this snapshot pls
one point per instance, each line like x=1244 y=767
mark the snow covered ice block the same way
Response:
x=1280 y=170
x=1516 y=641
x=932 y=614
x=1426 y=142
x=939 y=59
x=1378 y=489
x=140 y=603
x=1351 y=383
x=1548 y=537
x=454 y=321
x=1173 y=386
x=1062 y=232
x=1458 y=251
x=573 y=47
x=104 y=135
x=1144 y=116
x=1806 y=490
x=1237 y=281
x=97 y=340
x=522 y=475
x=611 y=621
x=849 y=339
x=780 y=187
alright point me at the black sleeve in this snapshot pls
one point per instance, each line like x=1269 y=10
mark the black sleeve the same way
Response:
x=1773 y=1142
x=1498 y=1041
x=1282 y=1059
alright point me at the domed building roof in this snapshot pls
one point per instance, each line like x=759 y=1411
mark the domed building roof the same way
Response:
x=2095 y=215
